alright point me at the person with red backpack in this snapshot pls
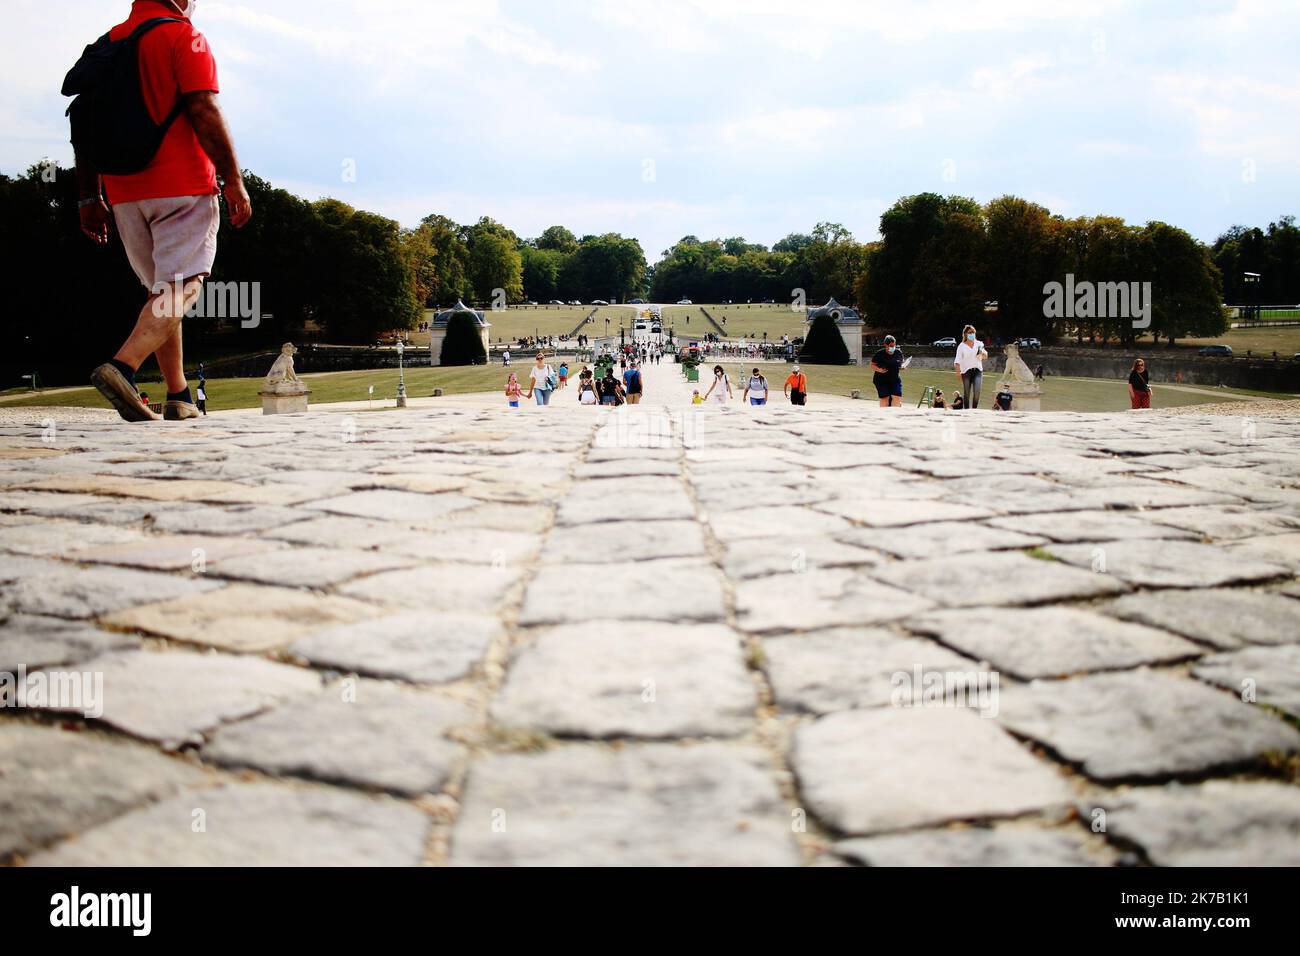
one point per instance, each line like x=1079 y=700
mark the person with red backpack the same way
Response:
x=151 y=145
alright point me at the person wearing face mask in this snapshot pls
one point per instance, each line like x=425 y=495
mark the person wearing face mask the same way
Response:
x=165 y=208
x=969 y=364
x=887 y=366
x=720 y=389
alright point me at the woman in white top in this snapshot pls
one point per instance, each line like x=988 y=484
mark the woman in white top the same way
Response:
x=969 y=364
x=720 y=390
x=539 y=380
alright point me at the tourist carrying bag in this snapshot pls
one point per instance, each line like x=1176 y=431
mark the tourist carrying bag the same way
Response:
x=111 y=126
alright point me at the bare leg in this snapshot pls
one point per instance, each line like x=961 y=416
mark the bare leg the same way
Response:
x=171 y=361
x=158 y=329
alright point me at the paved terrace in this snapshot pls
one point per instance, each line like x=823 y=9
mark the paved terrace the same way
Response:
x=460 y=635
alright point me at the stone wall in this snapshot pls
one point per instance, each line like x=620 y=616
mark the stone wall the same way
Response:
x=1261 y=374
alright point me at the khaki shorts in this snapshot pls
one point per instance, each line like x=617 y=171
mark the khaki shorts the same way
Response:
x=166 y=238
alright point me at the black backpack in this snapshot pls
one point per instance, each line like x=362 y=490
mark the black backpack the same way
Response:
x=111 y=126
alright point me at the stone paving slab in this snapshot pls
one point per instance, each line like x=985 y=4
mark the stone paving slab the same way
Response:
x=256 y=824
x=413 y=646
x=173 y=698
x=55 y=783
x=611 y=678
x=843 y=668
x=1030 y=643
x=33 y=641
x=978 y=846
x=1166 y=564
x=659 y=635
x=1142 y=725
x=1217 y=823
x=241 y=617
x=643 y=805
x=366 y=734
x=1221 y=617
x=869 y=771
x=683 y=590
x=91 y=592
x=819 y=599
x=1269 y=675
x=995 y=578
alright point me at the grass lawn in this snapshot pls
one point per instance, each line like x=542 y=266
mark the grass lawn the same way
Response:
x=1062 y=394
x=518 y=322
x=743 y=321
x=325 y=387
x=1283 y=339
x=1059 y=394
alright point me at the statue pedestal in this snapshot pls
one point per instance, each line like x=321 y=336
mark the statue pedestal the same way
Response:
x=1028 y=395
x=1019 y=381
x=284 y=402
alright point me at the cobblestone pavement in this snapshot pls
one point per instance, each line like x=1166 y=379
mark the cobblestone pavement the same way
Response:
x=460 y=635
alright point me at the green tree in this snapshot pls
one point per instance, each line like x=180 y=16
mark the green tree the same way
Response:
x=541 y=272
x=494 y=261
x=365 y=285
x=1186 y=285
x=451 y=261
x=1024 y=252
x=912 y=234
x=464 y=342
x=558 y=239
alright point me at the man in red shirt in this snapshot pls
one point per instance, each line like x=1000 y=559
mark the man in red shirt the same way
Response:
x=167 y=214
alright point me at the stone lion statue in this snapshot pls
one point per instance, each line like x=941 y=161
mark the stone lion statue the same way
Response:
x=282 y=377
x=1017 y=370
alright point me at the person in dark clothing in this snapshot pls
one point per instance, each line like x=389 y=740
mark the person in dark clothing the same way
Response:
x=1139 y=385
x=887 y=366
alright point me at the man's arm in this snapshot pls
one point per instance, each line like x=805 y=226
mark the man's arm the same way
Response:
x=91 y=207
x=214 y=136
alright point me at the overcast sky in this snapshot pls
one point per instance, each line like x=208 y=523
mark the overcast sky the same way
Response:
x=659 y=118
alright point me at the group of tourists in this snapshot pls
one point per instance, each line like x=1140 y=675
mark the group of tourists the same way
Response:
x=755 y=390
x=888 y=363
x=593 y=389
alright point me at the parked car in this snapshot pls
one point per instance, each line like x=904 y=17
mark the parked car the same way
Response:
x=599 y=302
x=530 y=302
x=637 y=302
x=685 y=302
x=948 y=343
x=555 y=302
x=1029 y=343
x=1225 y=350
x=576 y=302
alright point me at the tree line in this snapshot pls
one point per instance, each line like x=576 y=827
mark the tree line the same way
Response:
x=938 y=263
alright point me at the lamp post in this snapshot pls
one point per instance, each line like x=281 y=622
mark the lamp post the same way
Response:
x=401 y=376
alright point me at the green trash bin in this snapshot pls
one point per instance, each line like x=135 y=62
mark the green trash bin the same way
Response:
x=693 y=374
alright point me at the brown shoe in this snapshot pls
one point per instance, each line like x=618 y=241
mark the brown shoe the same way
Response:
x=179 y=411
x=121 y=394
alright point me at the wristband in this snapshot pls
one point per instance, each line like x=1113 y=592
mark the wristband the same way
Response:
x=89 y=201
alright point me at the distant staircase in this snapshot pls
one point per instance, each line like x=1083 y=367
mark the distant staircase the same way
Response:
x=713 y=321
x=578 y=329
